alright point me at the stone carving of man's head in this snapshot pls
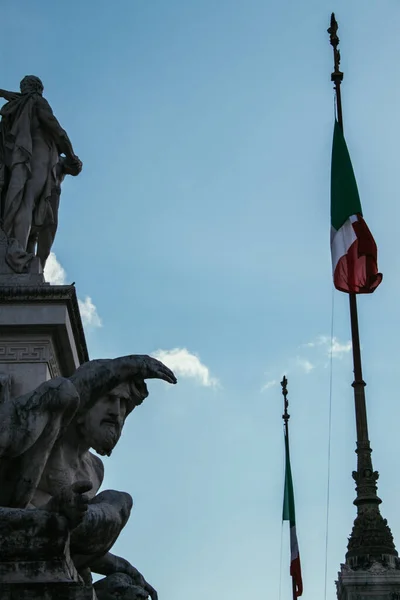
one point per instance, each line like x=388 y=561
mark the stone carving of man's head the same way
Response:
x=30 y=84
x=100 y=424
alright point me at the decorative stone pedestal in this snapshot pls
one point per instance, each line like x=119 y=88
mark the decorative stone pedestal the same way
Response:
x=41 y=334
x=377 y=583
x=34 y=558
x=46 y=592
x=41 y=337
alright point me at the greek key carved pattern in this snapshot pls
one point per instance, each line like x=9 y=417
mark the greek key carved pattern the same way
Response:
x=39 y=351
x=23 y=353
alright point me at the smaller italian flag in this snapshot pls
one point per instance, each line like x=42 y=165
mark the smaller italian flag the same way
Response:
x=289 y=515
x=354 y=251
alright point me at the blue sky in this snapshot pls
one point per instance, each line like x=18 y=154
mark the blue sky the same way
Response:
x=200 y=224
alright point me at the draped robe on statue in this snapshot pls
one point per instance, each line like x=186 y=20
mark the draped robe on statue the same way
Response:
x=17 y=145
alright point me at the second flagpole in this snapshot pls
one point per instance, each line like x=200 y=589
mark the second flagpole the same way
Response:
x=286 y=418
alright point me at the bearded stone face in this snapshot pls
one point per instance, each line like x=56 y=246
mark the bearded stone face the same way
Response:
x=101 y=426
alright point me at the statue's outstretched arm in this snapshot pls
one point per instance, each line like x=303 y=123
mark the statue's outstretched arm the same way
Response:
x=97 y=378
x=9 y=95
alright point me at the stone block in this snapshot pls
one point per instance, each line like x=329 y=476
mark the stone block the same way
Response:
x=34 y=558
x=34 y=547
x=41 y=334
x=47 y=591
x=379 y=582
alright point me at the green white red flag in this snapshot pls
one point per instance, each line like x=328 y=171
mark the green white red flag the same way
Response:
x=288 y=514
x=354 y=251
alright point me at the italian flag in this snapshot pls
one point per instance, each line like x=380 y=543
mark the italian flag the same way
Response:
x=354 y=251
x=289 y=515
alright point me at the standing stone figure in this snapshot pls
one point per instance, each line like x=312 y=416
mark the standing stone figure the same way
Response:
x=31 y=141
x=47 y=469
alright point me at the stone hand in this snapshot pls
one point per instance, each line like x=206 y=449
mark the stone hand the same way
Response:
x=140 y=581
x=151 y=368
x=136 y=369
x=72 y=166
x=72 y=502
x=75 y=165
x=123 y=566
x=150 y=590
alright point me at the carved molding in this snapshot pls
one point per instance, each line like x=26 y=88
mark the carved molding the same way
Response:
x=63 y=294
x=12 y=351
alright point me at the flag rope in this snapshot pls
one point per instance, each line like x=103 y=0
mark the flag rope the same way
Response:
x=328 y=487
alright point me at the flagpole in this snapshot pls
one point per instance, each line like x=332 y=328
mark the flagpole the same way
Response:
x=358 y=383
x=286 y=418
x=367 y=500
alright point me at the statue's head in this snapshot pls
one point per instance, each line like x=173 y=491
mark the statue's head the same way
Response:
x=100 y=424
x=31 y=84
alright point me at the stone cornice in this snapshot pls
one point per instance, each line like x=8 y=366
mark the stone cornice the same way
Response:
x=63 y=294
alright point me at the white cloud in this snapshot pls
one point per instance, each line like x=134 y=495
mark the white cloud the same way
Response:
x=270 y=384
x=55 y=274
x=305 y=365
x=338 y=350
x=333 y=347
x=314 y=357
x=321 y=340
x=53 y=271
x=89 y=313
x=186 y=364
x=310 y=345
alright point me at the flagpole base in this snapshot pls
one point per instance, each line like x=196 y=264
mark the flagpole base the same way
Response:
x=371 y=540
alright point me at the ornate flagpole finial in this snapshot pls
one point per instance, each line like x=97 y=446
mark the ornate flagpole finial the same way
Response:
x=337 y=75
x=285 y=415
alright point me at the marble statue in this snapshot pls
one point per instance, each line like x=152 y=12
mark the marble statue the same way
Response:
x=31 y=144
x=46 y=466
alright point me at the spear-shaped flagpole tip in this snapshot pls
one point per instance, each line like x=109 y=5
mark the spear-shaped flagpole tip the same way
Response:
x=333 y=31
x=337 y=75
x=285 y=415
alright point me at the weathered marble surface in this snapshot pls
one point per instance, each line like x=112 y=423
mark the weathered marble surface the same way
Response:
x=55 y=528
x=381 y=581
x=32 y=274
x=32 y=169
x=48 y=591
x=41 y=334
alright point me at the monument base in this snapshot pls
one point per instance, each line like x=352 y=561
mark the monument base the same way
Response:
x=379 y=582
x=35 y=562
x=41 y=334
x=47 y=591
